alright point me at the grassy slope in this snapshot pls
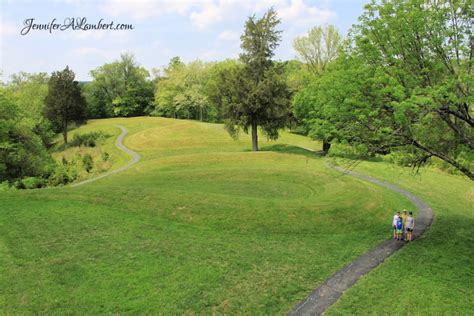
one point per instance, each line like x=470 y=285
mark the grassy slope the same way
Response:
x=434 y=275
x=199 y=225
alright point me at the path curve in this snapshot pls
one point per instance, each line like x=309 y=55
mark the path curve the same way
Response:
x=330 y=291
x=118 y=143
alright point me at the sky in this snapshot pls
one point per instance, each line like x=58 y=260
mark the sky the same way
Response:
x=196 y=29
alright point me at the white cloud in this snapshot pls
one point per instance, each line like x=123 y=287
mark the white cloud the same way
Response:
x=298 y=12
x=228 y=36
x=210 y=12
x=142 y=9
x=204 y=13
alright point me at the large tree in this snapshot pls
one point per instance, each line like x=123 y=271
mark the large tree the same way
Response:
x=181 y=91
x=317 y=50
x=120 y=88
x=407 y=80
x=319 y=47
x=64 y=102
x=256 y=94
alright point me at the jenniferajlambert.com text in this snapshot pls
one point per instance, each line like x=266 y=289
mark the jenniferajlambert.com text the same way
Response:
x=75 y=24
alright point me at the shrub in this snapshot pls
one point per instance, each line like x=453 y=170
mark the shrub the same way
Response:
x=88 y=139
x=30 y=183
x=87 y=162
x=60 y=176
x=105 y=156
x=5 y=186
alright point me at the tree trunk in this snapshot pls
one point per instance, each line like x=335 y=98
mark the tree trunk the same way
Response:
x=65 y=134
x=326 y=147
x=254 y=136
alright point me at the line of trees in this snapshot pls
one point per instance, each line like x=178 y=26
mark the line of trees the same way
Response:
x=399 y=84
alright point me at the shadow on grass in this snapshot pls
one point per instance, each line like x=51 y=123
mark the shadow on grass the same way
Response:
x=294 y=150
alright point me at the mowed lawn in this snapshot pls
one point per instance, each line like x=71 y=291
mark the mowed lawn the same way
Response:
x=199 y=225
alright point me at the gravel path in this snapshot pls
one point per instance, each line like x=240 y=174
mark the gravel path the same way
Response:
x=135 y=158
x=330 y=291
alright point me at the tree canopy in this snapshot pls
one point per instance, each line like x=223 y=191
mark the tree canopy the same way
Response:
x=256 y=93
x=64 y=102
x=120 y=88
x=404 y=84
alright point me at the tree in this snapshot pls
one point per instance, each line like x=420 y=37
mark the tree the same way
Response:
x=405 y=84
x=22 y=153
x=426 y=49
x=256 y=94
x=347 y=104
x=120 y=88
x=29 y=91
x=317 y=49
x=64 y=102
x=181 y=91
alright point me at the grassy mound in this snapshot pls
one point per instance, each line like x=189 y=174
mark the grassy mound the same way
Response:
x=199 y=225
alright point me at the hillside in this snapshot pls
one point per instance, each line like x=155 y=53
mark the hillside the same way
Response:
x=199 y=225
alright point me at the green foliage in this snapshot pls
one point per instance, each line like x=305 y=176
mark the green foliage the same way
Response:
x=403 y=84
x=30 y=183
x=256 y=93
x=87 y=162
x=319 y=47
x=181 y=91
x=29 y=91
x=22 y=152
x=120 y=88
x=87 y=139
x=424 y=51
x=61 y=175
x=64 y=102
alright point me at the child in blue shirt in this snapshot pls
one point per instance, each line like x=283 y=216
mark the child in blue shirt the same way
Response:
x=399 y=228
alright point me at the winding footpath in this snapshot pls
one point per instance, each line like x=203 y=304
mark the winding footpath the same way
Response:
x=330 y=291
x=119 y=144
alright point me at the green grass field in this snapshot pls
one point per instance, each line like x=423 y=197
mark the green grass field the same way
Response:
x=202 y=225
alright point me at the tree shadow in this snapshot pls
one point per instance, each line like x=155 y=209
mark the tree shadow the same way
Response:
x=293 y=150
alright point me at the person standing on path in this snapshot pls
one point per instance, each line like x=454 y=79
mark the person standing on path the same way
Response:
x=394 y=224
x=410 y=225
x=399 y=227
x=404 y=221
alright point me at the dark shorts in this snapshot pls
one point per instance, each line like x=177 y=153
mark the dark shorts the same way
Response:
x=409 y=229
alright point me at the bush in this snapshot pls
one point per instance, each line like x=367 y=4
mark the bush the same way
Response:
x=105 y=156
x=60 y=176
x=87 y=162
x=30 y=183
x=5 y=186
x=88 y=139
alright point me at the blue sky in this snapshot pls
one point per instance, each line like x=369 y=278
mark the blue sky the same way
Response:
x=204 y=29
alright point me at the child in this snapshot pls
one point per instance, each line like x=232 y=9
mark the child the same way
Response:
x=399 y=228
x=394 y=224
x=404 y=220
x=410 y=225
